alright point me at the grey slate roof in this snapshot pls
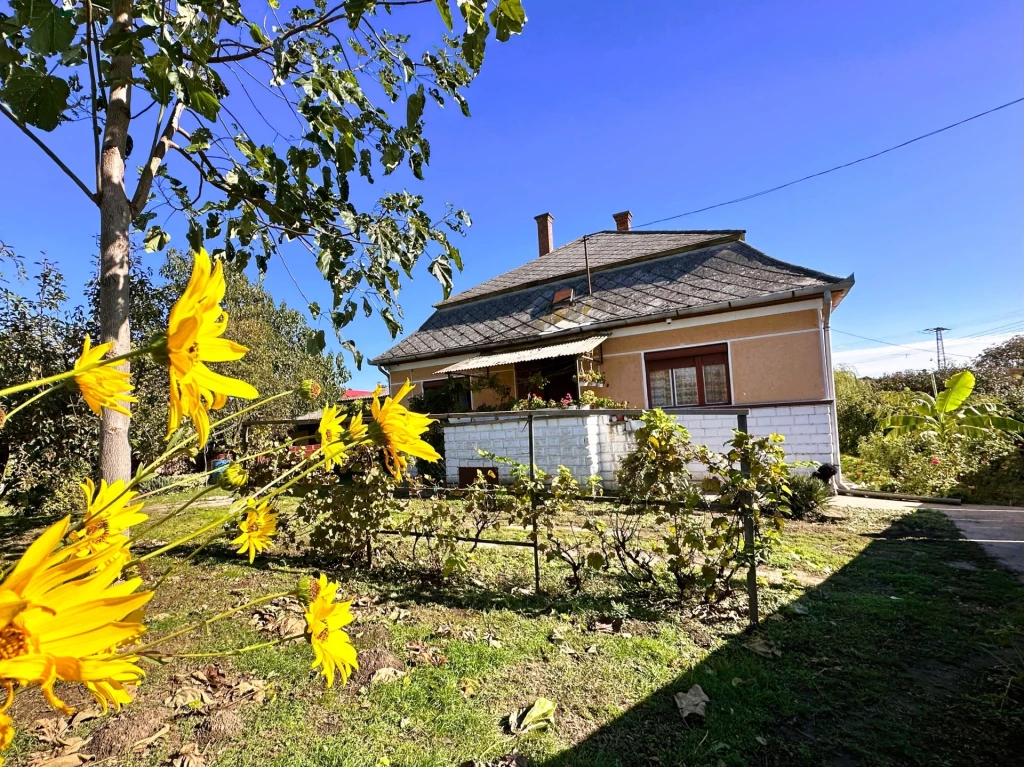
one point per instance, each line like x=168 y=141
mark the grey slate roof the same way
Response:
x=646 y=285
x=603 y=249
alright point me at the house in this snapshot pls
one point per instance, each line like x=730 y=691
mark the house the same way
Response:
x=669 y=319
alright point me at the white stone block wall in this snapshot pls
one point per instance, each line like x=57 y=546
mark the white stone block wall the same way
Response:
x=595 y=444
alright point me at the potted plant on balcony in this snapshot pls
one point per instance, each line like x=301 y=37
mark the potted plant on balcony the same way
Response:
x=591 y=377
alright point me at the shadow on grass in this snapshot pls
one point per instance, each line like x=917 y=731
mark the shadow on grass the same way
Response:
x=906 y=657
x=407 y=586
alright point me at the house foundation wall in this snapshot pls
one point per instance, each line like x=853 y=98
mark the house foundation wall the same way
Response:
x=596 y=444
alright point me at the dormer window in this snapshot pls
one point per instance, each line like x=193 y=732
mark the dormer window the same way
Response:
x=562 y=297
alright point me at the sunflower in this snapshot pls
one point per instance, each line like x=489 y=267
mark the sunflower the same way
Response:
x=107 y=516
x=324 y=620
x=194 y=331
x=102 y=387
x=258 y=527
x=331 y=433
x=398 y=431
x=74 y=613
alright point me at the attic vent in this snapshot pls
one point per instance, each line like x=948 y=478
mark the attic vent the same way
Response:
x=562 y=296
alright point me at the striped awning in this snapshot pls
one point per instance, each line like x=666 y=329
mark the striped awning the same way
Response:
x=567 y=349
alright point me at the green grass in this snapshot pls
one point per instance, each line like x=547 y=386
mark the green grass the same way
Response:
x=901 y=659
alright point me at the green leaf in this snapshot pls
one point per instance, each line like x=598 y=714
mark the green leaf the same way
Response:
x=595 y=560
x=536 y=717
x=201 y=99
x=357 y=355
x=161 y=79
x=414 y=108
x=355 y=9
x=51 y=29
x=445 y=11
x=992 y=423
x=36 y=98
x=958 y=388
x=155 y=239
x=256 y=33
x=316 y=343
x=473 y=44
x=508 y=19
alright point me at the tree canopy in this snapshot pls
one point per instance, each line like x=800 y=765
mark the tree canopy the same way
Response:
x=201 y=81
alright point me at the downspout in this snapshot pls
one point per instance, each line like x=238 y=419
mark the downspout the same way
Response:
x=830 y=383
x=387 y=374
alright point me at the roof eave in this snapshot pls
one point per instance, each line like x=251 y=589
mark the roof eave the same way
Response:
x=843 y=286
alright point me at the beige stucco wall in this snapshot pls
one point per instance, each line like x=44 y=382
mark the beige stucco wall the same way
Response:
x=777 y=369
x=506 y=376
x=770 y=359
x=775 y=358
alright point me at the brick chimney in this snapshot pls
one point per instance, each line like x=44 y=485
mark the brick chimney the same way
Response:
x=545 y=233
x=622 y=220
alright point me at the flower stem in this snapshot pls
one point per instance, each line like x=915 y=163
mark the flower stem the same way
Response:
x=213 y=536
x=236 y=508
x=237 y=650
x=32 y=399
x=171 y=452
x=171 y=515
x=60 y=377
x=192 y=477
x=218 y=617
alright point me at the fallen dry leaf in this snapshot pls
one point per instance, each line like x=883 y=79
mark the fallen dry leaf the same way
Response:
x=763 y=647
x=190 y=755
x=692 y=702
x=189 y=697
x=385 y=676
x=422 y=654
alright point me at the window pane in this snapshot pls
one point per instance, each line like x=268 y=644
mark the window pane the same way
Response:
x=686 y=385
x=661 y=388
x=715 y=389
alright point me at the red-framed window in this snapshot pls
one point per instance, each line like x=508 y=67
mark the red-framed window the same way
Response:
x=689 y=377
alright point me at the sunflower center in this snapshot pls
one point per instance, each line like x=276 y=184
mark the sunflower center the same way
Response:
x=252 y=527
x=322 y=636
x=13 y=642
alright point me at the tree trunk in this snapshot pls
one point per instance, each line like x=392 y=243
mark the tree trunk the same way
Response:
x=115 y=223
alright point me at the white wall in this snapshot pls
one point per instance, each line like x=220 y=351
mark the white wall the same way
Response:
x=595 y=444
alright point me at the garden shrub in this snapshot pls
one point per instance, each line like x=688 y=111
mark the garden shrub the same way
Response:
x=807 y=495
x=342 y=513
x=924 y=464
x=699 y=523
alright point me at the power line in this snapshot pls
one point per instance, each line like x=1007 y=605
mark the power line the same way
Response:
x=837 y=167
x=879 y=341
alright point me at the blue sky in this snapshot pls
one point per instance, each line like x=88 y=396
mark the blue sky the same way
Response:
x=597 y=108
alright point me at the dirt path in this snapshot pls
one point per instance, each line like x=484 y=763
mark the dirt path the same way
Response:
x=999 y=530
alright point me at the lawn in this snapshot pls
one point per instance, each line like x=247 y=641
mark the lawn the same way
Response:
x=888 y=640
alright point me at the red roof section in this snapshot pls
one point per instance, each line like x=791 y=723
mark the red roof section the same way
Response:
x=356 y=394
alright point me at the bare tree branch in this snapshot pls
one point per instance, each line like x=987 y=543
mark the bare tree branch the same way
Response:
x=49 y=152
x=94 y=101
x=155 y=158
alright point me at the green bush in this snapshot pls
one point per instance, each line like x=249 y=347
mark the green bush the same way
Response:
x=924 y=464
x=807 y=495
x=856 y=408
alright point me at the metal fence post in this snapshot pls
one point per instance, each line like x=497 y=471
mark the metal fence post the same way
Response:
x=533 y=504
x=748 y=537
